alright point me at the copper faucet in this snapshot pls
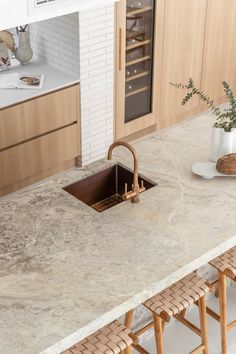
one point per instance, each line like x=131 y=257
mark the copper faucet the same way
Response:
x=136 y=189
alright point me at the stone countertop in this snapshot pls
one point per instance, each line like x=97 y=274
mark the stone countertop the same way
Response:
x=67 y=270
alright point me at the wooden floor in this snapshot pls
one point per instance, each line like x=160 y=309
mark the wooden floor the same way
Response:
x=179 y=340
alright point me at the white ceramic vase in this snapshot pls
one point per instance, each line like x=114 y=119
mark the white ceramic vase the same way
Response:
x=222 y=143
x=24 y=52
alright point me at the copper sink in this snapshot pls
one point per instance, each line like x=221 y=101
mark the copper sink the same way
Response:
x=104 y=189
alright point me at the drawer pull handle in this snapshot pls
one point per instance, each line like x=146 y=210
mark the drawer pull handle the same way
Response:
x=120 y=48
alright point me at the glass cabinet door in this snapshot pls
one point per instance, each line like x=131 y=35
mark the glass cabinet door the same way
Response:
x=139 y=58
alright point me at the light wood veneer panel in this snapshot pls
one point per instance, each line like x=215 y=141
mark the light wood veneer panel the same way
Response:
x=37 y=155
x=38 y=116
x=219 y=62
x=36 y=178
x=183 y=44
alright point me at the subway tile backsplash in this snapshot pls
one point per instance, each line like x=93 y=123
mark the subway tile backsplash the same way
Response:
x=57 y=41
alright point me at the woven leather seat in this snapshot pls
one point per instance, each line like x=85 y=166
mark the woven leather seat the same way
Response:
x=226 y=263
x=177 y=297
x=112 y=339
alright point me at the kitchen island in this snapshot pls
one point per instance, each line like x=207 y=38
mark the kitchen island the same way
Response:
x=67 y=270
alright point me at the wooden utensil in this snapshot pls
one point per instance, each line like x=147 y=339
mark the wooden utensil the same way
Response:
x=7 y=37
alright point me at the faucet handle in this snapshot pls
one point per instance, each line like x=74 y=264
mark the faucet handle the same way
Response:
x=142 y=188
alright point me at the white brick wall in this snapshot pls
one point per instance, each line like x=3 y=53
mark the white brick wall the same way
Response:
x=96 y=73
x=57 y=41
x=83 y=44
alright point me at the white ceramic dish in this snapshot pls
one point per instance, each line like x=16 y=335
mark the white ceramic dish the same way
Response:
x=207 y=170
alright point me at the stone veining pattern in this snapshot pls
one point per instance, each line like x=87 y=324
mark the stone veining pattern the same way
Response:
x=67 y=270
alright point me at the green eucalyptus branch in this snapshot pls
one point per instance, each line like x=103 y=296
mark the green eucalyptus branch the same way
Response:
x=225 y=118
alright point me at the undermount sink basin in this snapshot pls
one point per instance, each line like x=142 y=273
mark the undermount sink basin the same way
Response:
x=104 y=189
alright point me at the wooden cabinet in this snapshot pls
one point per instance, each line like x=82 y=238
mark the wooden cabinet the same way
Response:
x=192 y=39
x=29 y=159
x=183 y=43
x=136 y=61
x=39 y=138
x=177 y=44
x=219 y=60
x=38 y=116
x=199 y=42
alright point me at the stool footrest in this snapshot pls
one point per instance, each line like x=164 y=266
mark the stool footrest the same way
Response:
x=216 y=316
x=213 y=314
x=188 y=324
x=231 y=325
x=142 y=330
x=140 y=349
x=198 y=349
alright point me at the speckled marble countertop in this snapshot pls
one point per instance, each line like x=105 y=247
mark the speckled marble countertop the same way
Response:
x=67 y=270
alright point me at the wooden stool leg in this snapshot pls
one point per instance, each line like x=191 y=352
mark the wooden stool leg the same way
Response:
x=217 y=291
x=128 y=319
x=158 y=333
x=128 y=324
x=128 y=350
x=203 y=323
x=223 y=316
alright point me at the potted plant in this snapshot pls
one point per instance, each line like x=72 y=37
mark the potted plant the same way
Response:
x=223 y=131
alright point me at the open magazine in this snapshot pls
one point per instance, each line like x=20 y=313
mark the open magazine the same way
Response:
x=21 y=81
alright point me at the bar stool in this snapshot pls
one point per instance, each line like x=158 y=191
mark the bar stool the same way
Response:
x=225 y=264
x=174 y=302
x=112 y=339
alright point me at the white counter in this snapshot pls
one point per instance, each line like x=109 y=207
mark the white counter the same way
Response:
x=54 y=80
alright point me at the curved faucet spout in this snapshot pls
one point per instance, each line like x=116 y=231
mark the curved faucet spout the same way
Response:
x=134 y=194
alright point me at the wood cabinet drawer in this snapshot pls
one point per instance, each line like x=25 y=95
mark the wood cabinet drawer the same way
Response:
x=38 y=116
x=35 y=156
